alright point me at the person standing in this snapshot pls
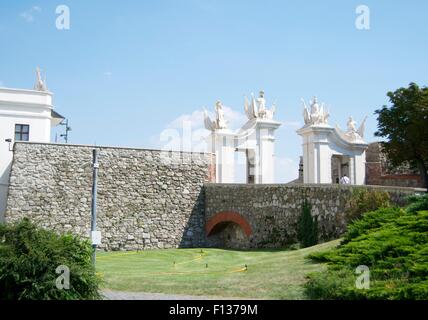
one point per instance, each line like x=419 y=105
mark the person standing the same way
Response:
x=345 y=180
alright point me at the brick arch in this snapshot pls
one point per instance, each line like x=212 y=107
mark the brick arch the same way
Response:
x=228 y=216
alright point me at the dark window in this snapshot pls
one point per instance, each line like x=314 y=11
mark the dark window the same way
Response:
x=22 y=132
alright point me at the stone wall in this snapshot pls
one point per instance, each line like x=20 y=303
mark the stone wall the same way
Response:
x=272 y=211
x=146 y=198
x=153 y=199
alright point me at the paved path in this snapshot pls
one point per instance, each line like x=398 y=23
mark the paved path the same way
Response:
x=123 y=295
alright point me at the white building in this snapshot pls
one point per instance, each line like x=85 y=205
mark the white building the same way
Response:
x=329 y=153
x=256 y=140
x=25 y=115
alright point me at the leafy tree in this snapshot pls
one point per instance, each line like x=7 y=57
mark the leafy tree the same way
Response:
x=405 y=126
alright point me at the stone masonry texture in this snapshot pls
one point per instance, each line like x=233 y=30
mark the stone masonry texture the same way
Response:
x=147 y=199
x=273 y=210
x=150 y=199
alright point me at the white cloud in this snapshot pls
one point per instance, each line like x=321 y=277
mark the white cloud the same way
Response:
x=187 y=132
x=184 y=133
x=30 y=13
x=196 y=119
x=108 y=74
x=286 y=169
x=27 y=16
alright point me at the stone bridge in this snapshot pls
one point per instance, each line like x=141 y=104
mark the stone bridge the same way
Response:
x=261 y=215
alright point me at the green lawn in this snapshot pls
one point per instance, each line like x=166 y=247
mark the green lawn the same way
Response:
x=270 y=274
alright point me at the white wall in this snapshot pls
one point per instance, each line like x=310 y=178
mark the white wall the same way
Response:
x=21 y=107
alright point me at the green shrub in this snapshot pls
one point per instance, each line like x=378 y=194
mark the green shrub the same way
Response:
x=365 y=200
x=332 y=284
x=307 y=232
x=392 y=243
x=371 y=221
x=29 y=257
x=417 y=203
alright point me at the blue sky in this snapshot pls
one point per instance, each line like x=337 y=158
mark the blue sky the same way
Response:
x=127 y=70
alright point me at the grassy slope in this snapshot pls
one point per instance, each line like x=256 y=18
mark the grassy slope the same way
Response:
x=271 y=274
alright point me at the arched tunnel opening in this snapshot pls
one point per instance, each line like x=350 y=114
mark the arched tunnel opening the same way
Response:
x=228 y=230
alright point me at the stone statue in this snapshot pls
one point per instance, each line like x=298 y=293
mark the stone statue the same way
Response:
x=351 y=125
x=40 y=84
x=316 y=114
x=220 y=122
x=261 y=101
x=257 y=108
x=353 y=134
x=271 y=112
x=250 y=110
x=362 y=128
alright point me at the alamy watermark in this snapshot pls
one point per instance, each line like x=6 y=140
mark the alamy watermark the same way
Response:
x=363 y=280
x=362 y=22
x=63 y=281
x=62 y=21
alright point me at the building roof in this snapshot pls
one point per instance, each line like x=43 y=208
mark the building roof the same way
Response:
x=56 y=118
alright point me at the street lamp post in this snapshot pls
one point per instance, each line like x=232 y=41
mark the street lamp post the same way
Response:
x=95 y=235
x=67 y=129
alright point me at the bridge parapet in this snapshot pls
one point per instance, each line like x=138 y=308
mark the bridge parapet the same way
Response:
x=271 y=211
